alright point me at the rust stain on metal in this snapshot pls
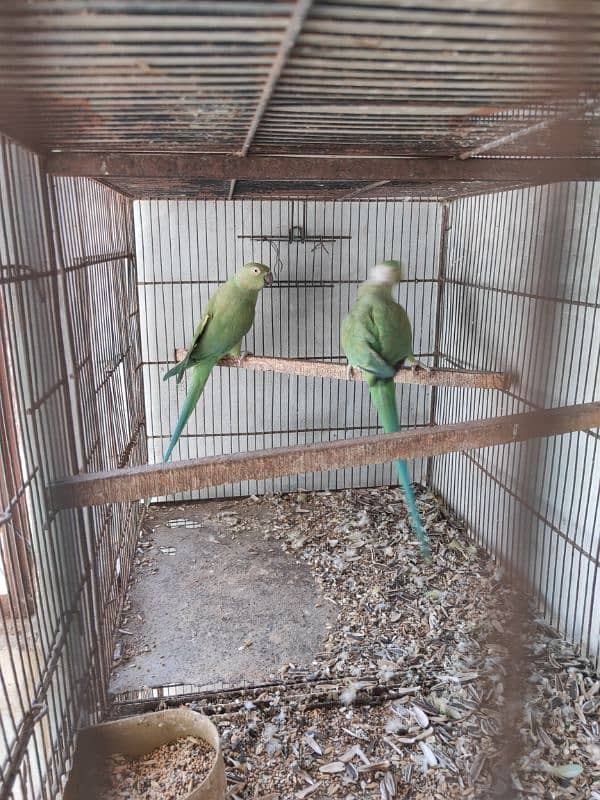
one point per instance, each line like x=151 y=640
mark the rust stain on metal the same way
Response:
x=342 y=79
x=164 y=479
x=228 y=167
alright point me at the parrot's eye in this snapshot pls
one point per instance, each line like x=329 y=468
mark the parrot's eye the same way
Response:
x=256 y=270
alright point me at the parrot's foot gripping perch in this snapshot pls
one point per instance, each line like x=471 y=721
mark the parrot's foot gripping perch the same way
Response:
x=240 y=359
x=349 y=372
x=415 y=364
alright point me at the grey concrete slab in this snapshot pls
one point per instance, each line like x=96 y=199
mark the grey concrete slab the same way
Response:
x=214 y=601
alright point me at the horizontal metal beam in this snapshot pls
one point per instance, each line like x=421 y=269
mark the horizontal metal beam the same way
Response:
x=225 y=167
x=326 y=369
x=134 y=483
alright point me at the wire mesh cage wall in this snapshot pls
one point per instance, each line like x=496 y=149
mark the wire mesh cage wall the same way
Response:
x=320 y=252
x=520 y=290
x=94 y=237
x=77 y=373
x=69 y=400
x=500 y=282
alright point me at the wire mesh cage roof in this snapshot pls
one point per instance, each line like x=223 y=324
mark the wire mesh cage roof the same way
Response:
x=457 y=79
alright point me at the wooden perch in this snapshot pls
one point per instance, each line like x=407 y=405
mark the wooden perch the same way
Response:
x=134 y=483
x=327 y=369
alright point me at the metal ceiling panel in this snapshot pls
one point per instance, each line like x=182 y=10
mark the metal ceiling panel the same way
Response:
x=177 y=75
x=458 y=78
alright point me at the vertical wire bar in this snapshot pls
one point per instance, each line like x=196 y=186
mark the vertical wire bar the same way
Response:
x=439 y=322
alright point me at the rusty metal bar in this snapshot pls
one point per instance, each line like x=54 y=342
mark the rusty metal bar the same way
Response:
x=327 y=369
x=131 y=444
x=368 y=188
x=292 y=32
x=526 y=130
x=217 y=166
x=444 y=228
x=105 y=258
x=164 y=479
x=7 y=513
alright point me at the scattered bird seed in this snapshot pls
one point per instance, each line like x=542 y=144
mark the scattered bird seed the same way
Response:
x=423 y=644
x=333 y=767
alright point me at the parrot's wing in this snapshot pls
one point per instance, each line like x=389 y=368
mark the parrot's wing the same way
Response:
x=180 y=368
x=367 y=359
x=361 y=345
x=393 y=332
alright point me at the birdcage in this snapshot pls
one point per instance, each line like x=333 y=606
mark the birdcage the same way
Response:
x=149 y=150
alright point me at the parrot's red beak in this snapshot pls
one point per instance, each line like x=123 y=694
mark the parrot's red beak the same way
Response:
x=269 y=279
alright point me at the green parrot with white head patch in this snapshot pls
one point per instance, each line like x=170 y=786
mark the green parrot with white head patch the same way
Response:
x=377 y=338
x=228 y=318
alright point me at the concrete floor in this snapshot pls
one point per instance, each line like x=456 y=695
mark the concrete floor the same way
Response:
x=213 y=602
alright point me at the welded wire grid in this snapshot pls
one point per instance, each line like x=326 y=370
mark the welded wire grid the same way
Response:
x=521 y=283
x=362 y=77
x=95 y=243
x=186 y=249
x=62 y=576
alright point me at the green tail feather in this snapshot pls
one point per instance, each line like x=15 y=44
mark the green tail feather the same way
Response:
x=178 y=370
x=383 y=395
x=199 y=376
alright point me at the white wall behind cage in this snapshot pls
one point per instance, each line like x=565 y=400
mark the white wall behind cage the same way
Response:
x=184 y=249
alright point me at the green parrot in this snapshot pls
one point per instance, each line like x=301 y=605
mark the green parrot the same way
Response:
x=228 y=318
x=377 y=338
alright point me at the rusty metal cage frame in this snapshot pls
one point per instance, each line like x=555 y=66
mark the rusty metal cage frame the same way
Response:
x=86 y=273
x=270 y=81
x=71 y=400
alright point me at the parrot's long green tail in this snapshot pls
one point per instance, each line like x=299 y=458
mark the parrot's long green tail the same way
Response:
x=383 y=395
x=197 y=381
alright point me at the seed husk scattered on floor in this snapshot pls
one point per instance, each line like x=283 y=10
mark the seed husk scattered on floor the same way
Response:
x=405 y=698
